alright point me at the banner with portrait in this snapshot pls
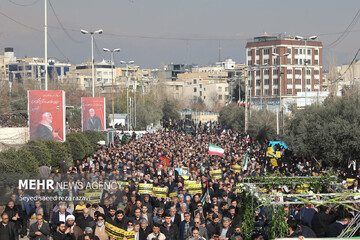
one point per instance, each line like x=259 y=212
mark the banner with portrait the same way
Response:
x=93 y=113
x=46 y=111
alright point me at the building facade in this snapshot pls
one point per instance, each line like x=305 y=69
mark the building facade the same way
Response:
x=300 y=62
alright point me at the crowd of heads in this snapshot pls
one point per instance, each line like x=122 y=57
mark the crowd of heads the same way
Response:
x=215 y=213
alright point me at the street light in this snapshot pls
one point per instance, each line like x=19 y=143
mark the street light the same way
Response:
x=261 y=82
x=279 y=83
x=127 y=89
x=305 y=62
x=112 y=80
x=92 y=55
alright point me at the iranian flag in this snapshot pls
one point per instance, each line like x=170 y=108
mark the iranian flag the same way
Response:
x=203 y=200
x=247 y=138
x=245 y=162
x=216 y=150
x=223 y=133
x=208 y=124
x=239 y=102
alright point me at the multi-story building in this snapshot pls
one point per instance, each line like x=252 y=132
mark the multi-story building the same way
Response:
x=301 y=65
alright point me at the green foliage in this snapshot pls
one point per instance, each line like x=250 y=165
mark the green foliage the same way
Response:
x=262 y=125
x=147 y=112
x=58 y=152
x=329 y=133
x=247 y=224
x=86 y=143
x=40 y=151
x=18 y=161
x=232 y=117
x=278 y=226
x=94 y=137
x=170 y=110
x=73 y=117
x=75 y=146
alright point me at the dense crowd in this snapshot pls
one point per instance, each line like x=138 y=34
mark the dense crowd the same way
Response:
x=214 y=213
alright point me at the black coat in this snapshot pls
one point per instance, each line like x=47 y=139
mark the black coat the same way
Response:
x=45 y=230
x=172 y=234
x=9 y=232
x=334 y=229
x=321 y=221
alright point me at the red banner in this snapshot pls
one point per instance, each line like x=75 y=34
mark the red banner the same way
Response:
x=165 y=160
x=93 y=113
x=46 y=111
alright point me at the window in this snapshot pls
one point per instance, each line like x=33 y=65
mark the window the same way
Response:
x=316 y=81
x=298 y=72
x=297 y=90
x=298 y=81
x=309 y=51
x=266 y=92
x=275 y=61
x=275 y=71
x=296 y=51
x=266 y=81
x=257 y=52
x=258 y=73
x=204 y=97
x=257 y=92
x=275 y=81
x=266 y=61
x=200 y=93
x=257 y=61
x=266 y=72
x=275 y=91
x=194 y=89
x=249 y=63
x=257 y=82
x=219 y=89
x=296 y=61
x=194 y=81
x=266 y=51
x=316 y=52
x=200 y=85
x=308 y=71
x=289 y=71
x=300 y=50
x=289 y=50
x=308 y=81
x=301 y=61
x=289 y=91
x=274 y=50
x=289 y=61
x=289 y=81
x=316 y=72
x=226 y=89
x=249 y=53
x=316 y=62
x=220 y=97
x=177 y=87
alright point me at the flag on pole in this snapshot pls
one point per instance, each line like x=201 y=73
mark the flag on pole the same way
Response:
x=239 y=102
x=223 y=132
x=208 y=124
x=247 y=139
x=245 y=162
x=216 y=150
x=203 y=200
x=165 y=160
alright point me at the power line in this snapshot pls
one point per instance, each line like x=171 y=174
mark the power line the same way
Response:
x=56 y=46
x=347 y=30
x=98 y=50
x=22 y=24
x=62 y=26
x=352 y=62
x=23 y=5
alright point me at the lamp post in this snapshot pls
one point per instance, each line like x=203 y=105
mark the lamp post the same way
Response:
x=127 y=89
x=92 y=55
x=46 y=47
x=279 y=72
x=261 y=83
x=305 y=61
x=112 y=79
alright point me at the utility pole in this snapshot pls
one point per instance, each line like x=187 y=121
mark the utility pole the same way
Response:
x=246 y=100
x=46 y=48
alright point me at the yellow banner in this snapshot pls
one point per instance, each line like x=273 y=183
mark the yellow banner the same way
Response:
x=187 y=182
x=145 y=188
x=278 y=154
x=216 y=174
x=238 y=188
x=269 y=152
x=173 y=194
x=118 y=233
x=92 y=196
x=160 y=192
x=236 y=168
x=194 y=188
x=274 y=162
x=350 y=181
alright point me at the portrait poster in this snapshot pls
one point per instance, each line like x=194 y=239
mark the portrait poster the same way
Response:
x=93 y=113
x=46 y=111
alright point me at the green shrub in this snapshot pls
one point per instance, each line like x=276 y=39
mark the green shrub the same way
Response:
x=75 y=146
x=40 y=151
x=58 y=152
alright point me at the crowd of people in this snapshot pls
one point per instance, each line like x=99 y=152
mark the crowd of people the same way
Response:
x=215 y=213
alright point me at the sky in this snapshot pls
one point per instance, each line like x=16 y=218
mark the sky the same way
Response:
x=157 y=32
